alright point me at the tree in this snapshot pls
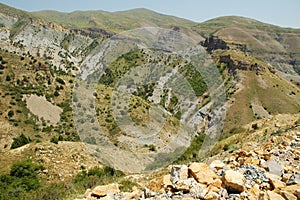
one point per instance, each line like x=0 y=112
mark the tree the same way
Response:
x=10 y=113
x=8 y=78
x=56 y=93
x=59 y=80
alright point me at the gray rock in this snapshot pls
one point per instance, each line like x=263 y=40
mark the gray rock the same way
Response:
x=274 y=168
x=294 y=179
x=252 y=173
x=178 y=173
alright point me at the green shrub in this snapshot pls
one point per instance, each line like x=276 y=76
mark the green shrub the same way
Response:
x=192 y=152
x=10 y=113
x=152 y=147
x=22 y=178
x=54 y=191
x=20 y=141
x=126 y=185
x=54 y=140
x=8 y=78
x=255 y=126
x=96 y=176
x=56 y=93
x=59 y=80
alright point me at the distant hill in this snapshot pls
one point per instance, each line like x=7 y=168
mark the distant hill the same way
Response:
x=113 y=21
x=276 y=45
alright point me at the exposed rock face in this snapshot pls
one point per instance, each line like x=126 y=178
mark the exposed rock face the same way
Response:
x=214 y=43
x=240 y=65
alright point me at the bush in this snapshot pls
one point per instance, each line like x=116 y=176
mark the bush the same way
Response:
x=10 y=113
x=54 y=191
x=192 y=152
x=59 y=80
x=96 y=176
x=22 y=178
x=152 y=147
x=8 y=78
x=126 y=185
x=54 y=140
x=255 y=126
x=20 y=141
x=56 y=93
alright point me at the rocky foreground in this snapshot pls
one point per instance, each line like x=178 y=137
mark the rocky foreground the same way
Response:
x=264 y=171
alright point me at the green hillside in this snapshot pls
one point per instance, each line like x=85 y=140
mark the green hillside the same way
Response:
x=113 y=21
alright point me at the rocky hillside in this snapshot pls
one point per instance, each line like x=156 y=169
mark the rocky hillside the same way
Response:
x=250 y=82
x=267 y=168
x=275 y=45
x=258 y=68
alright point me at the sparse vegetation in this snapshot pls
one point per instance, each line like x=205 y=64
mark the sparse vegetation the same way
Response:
x=23 y=74
x=96 y=176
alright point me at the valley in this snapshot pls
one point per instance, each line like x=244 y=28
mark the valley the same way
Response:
x=93 y=98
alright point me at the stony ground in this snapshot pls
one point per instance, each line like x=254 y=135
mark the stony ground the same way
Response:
x=267 y=170
x=43 y=109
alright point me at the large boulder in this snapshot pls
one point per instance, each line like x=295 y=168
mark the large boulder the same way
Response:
x=233 y=181
x=275 y=181
x=294 y=189
x=274 y=168
x=274 y=196
x=202 y=173
x=217 y=165
x=178 y=173
x=103 y=190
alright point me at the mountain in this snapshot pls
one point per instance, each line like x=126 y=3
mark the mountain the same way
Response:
x=113 y=21
x=273 y=44
x=41 y=106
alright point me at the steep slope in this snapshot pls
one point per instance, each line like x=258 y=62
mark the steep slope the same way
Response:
x=254 y=90
x=273 y=44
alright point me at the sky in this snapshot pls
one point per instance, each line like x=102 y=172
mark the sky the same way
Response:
x=285 y=13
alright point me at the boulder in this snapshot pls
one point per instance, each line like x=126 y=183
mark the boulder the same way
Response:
x=233 y=181
x=294 y=179
x=135 y=194
x=212 y=196
x=252 y=161
x=274 y=168
x=167 y=181
x=202 y=173
x=294 y=189
x=275 y=181
x=274 y=196
x=157 y=184
x=179 y=172
x=288 y=195
x=217 y=165
x=198 y=190
x=103 y=190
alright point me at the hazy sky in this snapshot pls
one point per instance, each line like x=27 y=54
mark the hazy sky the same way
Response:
x=284 y=13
